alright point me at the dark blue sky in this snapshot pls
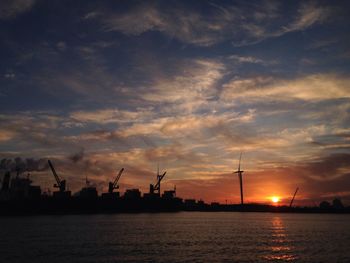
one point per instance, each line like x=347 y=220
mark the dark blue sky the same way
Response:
x=188 y=84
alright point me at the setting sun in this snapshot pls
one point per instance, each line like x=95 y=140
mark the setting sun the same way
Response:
x=275 y=199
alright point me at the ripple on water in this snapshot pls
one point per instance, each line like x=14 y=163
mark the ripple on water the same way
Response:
x=176 y=237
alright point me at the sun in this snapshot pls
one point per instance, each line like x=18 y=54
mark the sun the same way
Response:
x=275 y=199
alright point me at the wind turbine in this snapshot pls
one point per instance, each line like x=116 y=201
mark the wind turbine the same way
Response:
x=239 y=172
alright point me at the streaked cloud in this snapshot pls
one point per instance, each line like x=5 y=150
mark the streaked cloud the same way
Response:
x=309 y=14
x=195 y=84
x=312 y=87
x=247 y=59
x=110 y=116
x=9 y=9
x=6 y=135
x=190 y=26
x=10 y=75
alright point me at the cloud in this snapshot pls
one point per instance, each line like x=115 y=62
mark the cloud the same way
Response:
x=189 y=125
x=104 y=116
x=88 y=82
x=322 y=43
x=179 y=23
x=98 y=137
x=10 y=75
x=310 y=88
x=77 y=157
x=252 y=22
x=141 y=19
x=191 y=86
x=309 y=14
x=34 y=131
x=6 y=135
x=167 y=127
x=23 y=165
x=61 y=46
x=327 y=168
x=10 y=9
x=246 y=59
x=91 y=15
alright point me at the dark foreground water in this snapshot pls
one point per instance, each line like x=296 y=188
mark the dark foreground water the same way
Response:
x=176 y=237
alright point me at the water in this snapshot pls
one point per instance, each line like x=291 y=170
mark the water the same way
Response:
x=176 y=237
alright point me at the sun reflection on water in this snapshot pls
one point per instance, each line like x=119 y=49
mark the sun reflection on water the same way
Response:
x=279 y=248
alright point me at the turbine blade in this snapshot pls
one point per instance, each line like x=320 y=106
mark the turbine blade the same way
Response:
x=239 y=164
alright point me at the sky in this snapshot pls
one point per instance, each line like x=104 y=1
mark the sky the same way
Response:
x=100 y=85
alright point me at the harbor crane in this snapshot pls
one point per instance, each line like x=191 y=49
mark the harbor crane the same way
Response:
x=155 y=189
x=295 y=193
x=60 y=184
x=239 y=172
x=114 y=185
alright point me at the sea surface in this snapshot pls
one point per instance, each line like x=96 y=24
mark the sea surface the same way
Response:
x=176 y=237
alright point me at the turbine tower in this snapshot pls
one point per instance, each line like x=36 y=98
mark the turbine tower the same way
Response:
x=239 y=172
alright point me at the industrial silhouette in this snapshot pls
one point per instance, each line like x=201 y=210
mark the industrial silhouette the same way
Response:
x=19 y=196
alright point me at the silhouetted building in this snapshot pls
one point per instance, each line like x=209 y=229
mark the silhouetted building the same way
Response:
x=132 y=194
x=169 y=194
x=5 y=187
x=113 y=195
x=190 y=204
x=148 y=196
x=337 y=204
x=201 y=203
x=325 y=205
x=21 y=188
x=61 y=195
x=88 y=192
x=6 y=182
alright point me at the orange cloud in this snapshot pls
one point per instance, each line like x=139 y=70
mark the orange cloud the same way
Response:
x=312 y=87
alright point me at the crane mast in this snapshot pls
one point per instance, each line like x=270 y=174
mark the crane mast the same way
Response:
x=159 y=179
x=295 y=193
x=114 y=185
x=60 y=184
x=156 y=188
